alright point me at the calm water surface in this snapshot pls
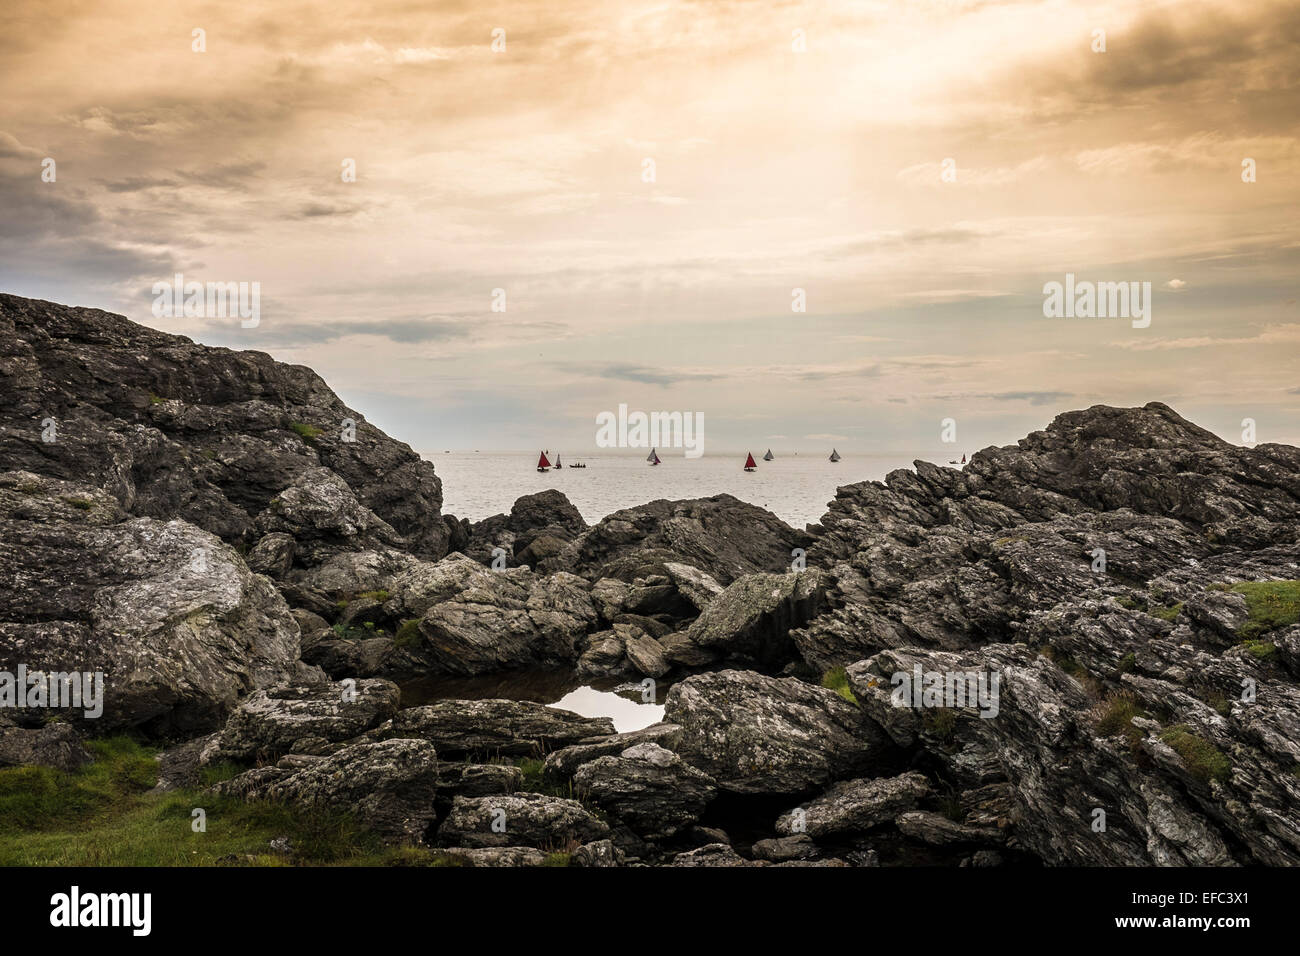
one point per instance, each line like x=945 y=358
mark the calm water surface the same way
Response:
x=795 y=488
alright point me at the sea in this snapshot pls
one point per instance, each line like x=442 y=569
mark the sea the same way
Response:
x=796 y=488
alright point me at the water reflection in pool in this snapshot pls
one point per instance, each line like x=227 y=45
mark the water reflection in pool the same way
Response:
x=621 y=701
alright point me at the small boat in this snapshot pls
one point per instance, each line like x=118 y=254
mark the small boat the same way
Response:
x=557 y=462
x=750 y=464
x=835 y=456
x=769 y=456
x=963 y=459
x=654 y=457
x=572 y=466
x=543 y=464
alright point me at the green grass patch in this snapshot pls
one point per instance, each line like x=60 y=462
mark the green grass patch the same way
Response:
x=1261 y=650
x=408 y=633
x=556 y=859
x=1269 y=605
x=1115 y=717
x=1167 y=613
x=104 y=815
x=1205 y=761
x=348 y=632
x=84 y=504
x=381 y=595
x=837 y=679
x=308 y=432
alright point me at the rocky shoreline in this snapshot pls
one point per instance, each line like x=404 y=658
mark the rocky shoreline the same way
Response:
x=255 y=569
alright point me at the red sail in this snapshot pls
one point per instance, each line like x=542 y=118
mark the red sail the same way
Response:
x=749 y=462
x=542 y=462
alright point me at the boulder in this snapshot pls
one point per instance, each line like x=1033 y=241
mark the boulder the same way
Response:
x=521 y=819
x=389 y=786
x=757 y=734
x=854 y=806
x=497 y=727
x=179 y=626
x=647 y=787
x=273 y=722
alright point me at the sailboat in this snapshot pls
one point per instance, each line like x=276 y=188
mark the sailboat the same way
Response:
x=542 y=463
x=653 y=457
x=750 y=464
x=963 y=459
x=557 y=461
x=769 y=456
x=835 y=456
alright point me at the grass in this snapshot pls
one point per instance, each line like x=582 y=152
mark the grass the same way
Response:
x=1203 y=760
x=941 y=723
x=349 y=633
x=1167 y=613
x=1269 y=605
x=156 y=399
x=85 y=504
x=308 y=432
x=1115 y=717
x=837 y=679
x=381 y=595
x=104 y=815
x=1127 y=664
x=408 y=633
x=1261 y=650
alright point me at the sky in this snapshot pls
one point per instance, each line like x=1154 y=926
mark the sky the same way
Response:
x=920 y=170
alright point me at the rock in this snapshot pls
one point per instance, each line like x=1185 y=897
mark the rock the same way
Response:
x=345 y=657
x=563 y=763
x=714 y=854
x=597 y=853
x=648 y=788
x=721 y=536
x=940 y=831
x=388 y=786
x=273 y=555
x=751 y=620
x=477 y=779
x=780 y=850
x=521 y=819
x=605 y=656
x=757 y=734
x=536 y=530
x=474 y=621
x=497 y=856
x=178 y=625
x=269 y=723
x=694 y=585
x=56 y=745
x=644 y=652
x=679 y=649
x=497 y=727
x=855 y=805
x=175 y=430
